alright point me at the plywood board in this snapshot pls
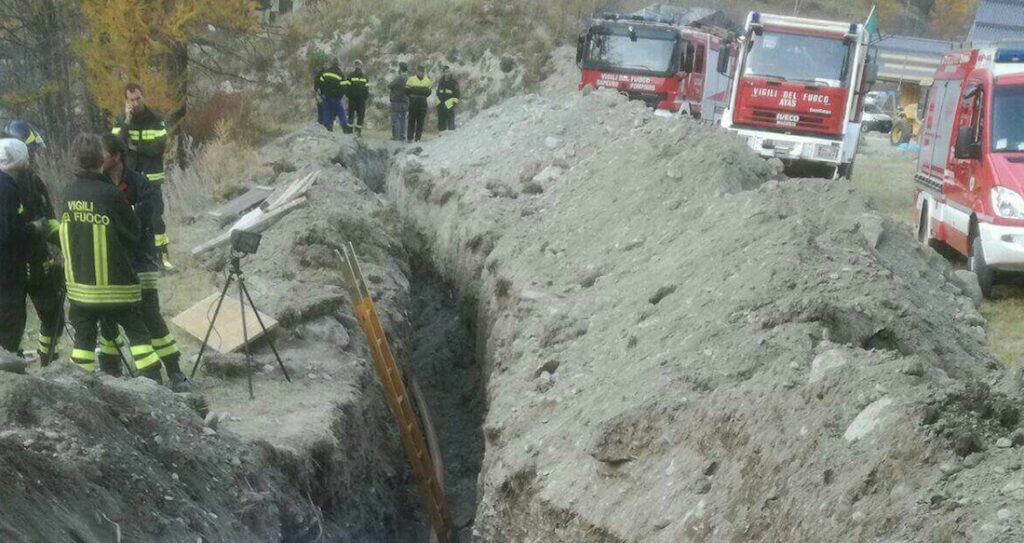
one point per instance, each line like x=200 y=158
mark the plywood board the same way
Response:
x=227 y=332
x=232 y=209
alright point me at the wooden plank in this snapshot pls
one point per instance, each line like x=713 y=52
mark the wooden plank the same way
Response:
x=255 y=221
x=290 y=191
x=234 y=208
x=227 y=332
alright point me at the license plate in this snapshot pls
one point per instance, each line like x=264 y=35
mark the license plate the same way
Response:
x=827 y=152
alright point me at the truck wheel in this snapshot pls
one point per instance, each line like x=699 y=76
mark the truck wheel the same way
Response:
x=976 y=263
x=901 y=133
x=922 y=228
x=845 y=171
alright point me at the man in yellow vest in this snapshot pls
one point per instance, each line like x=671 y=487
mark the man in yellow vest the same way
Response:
x=417 y=87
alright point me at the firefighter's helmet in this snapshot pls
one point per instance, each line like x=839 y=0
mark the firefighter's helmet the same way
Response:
x=24 y=132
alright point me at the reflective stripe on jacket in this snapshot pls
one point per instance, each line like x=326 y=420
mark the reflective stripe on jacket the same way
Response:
x=98 y=234
x=147 y=133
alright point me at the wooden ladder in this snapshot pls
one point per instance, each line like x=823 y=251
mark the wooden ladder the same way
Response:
x=427 y=478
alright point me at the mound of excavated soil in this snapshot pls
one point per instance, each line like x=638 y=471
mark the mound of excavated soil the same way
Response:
x=681 y=350
x=317 y=459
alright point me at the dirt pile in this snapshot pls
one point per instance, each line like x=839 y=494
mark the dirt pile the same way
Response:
x=679 y=348
x=316 y=459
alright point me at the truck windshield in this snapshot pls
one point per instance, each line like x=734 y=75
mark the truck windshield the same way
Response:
x=1008 y=119
x=616 y=51
x=820 y=60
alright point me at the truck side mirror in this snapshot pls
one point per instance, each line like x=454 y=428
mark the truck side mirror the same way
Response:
x=723 y=59
x=966 y=146
x=871 y=74
x=580 y=43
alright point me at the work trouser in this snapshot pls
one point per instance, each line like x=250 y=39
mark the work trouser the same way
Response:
x=163 y=341
x=417 y=116
x=320 y=110
x=49 y=304
x=399 y=116
x=86 y=318
x=357 y=114
x=12 y=316
x=333 y=109
x=160 y=238
x=445 y=119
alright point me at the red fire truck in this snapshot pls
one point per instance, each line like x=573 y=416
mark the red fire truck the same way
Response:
x=799 y=91
x=672 y=68
x=969 y=186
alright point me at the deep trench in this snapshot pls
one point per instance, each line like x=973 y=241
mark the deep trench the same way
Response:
x=441 y=355
x=442 y=360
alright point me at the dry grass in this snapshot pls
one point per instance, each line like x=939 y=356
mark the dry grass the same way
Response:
x=225 y=165
x=885 y=177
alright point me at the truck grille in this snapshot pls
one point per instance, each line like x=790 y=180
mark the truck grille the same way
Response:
x=651 y=99
x=807 y=121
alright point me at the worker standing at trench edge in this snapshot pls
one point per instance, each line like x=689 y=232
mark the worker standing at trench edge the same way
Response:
x=15 y=236
x=144 y=133
x=358 y=95
x=448 y=97
x=98 y=233
x=44 y=279
x=333 y=87
x=417 y=87
x=399 y=102
x=145 y=200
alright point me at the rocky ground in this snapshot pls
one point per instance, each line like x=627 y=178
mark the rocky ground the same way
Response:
x=626 y=328
x=680 y=348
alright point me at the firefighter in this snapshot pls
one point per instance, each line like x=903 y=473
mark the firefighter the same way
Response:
x=145 y=134
x=418 y=89
x=98 y=234
x=319 y=72
x=358 y=95
x=333 y=87
x=399 y=102
x=447 y=98
x=15 y=236
x=43 y=278
x=145 y=200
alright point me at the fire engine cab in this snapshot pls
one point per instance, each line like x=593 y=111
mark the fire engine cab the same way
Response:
x=799 y=91
x=969 y=186
x=672 y=68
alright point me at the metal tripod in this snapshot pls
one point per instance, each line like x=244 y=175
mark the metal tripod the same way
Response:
x=235 y=274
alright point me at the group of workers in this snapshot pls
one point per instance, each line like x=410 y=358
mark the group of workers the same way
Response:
x=409 y=99
x=110 y=233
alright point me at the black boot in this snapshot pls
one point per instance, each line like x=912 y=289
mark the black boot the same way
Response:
x=152 y=372
x=179 y=383
x=111 y=365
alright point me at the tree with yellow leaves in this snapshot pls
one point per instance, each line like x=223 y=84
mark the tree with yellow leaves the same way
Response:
x=147 y=41
x=949 y=18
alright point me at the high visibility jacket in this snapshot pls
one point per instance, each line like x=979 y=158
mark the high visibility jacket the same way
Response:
x=418 y=91
x=14 y=234
x=333 y=84
x=145 y=199
x=358 y=88
x=37 y=206
x=448 y=93
x=147 y=133
x=98 y=234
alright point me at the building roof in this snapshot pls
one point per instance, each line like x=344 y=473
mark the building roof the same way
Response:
x=905 y=58
x=998 y=20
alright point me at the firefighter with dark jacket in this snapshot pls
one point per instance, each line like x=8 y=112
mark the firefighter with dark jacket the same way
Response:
x=333 y=87
x=144 y=132
x=99 y=235
x=15 y=237
x=447 y=98
x=146 y=202
x=43 y=278
x=417 y=87
x=358 y=96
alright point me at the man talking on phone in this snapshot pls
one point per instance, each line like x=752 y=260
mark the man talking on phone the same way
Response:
x=145 y=135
